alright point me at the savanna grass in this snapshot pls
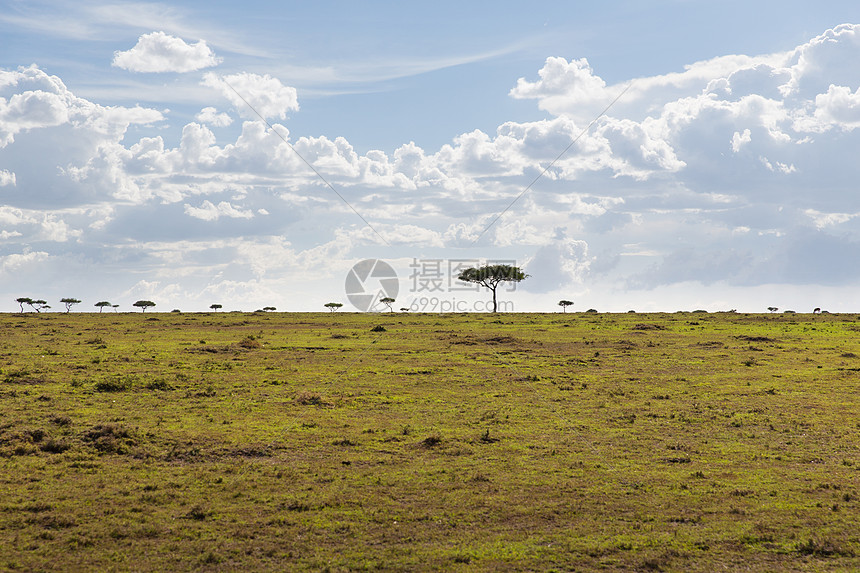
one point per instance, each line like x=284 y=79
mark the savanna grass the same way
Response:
x=578 y=441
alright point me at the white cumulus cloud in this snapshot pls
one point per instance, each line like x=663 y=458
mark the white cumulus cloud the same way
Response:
x=160 y=52
x=15 y=262
x=208 y=211
x=211 y=116
x=264 y=94
x=6 y=178
x=839 y=107
x=740 y=139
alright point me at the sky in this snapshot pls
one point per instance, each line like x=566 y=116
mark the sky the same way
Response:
x=651 y=156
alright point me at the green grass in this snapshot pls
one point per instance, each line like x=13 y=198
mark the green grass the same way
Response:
x=649 y=442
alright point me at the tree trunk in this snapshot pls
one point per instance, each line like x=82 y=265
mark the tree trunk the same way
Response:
x=494 y=300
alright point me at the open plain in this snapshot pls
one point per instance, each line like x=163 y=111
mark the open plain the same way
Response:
x=521 y=442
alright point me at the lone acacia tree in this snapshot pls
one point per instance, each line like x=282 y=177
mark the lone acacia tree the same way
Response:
x=23 y=300
x=564 y=304
x=38 y=305
x=333 y=306
x=387 y=301
x=491 y=276
x=143 y=304
x=215 y=307
x=102 y=304
x=69 y=302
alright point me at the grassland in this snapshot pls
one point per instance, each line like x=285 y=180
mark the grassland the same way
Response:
x=312 y=442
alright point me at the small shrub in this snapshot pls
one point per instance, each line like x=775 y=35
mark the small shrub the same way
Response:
x=309 y=399
x=250 y=343
x=36 y=435
x=60 y=420
x=822 y=549
x=486 y=438
x=110 y=438
x=431 y=441
x=211 y=559
x=377 y=328
x=646 y=326
x=207 y=392
x=159 y=385
x=53 y=446
x=116 y=385
x=197 y=513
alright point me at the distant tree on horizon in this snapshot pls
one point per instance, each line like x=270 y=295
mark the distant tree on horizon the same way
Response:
x=490 y=276
x=387 y=301
x=772 y=308
x=115 y=307
x=23 y=300
x=269 y=308
x=143 y=304
x=69 y=302
x=333 y=306
x=102 y=304
x=564 y=304
x=215 y=307
x=38 y=305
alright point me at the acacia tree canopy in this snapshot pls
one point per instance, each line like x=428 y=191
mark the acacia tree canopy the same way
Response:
x=490 y=276
x=69 y=302
x=143 y=304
